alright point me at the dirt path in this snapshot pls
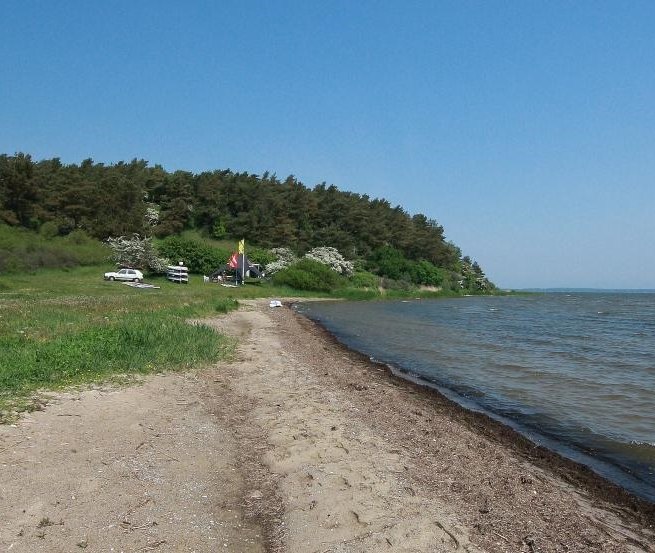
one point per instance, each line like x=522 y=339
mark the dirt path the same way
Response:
x=146 y=468
x=297 y=445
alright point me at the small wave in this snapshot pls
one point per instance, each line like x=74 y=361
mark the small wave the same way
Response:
x=640 y=443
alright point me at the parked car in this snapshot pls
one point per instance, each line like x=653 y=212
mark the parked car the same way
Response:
x=125 y=274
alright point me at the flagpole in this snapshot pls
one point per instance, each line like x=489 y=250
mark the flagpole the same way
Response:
x=242 y=251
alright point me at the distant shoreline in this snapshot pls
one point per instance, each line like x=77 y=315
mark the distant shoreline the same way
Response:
x=587 y=290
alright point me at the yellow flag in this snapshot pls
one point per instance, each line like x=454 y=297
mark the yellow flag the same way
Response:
x=242 y=246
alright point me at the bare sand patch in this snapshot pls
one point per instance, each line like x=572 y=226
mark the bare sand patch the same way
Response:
x=145 y=468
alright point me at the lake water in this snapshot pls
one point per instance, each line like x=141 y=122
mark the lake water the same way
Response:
x=574 y=372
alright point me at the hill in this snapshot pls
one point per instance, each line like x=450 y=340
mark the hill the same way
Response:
x=125 y=198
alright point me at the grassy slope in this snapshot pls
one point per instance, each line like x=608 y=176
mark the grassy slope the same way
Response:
x=23 y=250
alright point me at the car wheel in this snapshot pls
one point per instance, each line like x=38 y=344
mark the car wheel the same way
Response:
x=112 y=278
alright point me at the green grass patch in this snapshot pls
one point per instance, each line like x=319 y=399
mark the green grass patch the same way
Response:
x=69 y=327
x=136 y=344
x=358 y=294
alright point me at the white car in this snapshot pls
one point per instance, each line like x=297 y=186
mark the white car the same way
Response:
x=125 y=274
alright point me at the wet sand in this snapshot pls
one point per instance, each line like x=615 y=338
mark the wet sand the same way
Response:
x=296 y=445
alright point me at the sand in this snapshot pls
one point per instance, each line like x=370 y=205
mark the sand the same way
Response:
x=296 y=445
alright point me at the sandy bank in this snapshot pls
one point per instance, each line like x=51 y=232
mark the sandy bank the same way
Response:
x=297 y=445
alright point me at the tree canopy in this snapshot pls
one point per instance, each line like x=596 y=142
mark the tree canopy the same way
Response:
x=132 y=197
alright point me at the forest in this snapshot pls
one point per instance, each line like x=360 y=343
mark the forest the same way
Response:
x=125 y=198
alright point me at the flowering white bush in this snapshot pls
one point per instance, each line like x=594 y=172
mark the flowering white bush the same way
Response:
x=135 y=251
x=151 y=216
x=284 y=254
x=332 y=258
x=285 y=257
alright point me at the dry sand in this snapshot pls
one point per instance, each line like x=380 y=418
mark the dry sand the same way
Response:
x=297 y=445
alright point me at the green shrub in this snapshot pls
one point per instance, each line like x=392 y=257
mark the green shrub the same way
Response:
x=308 y=274
x=225 y=305
x=389 y=262
x=197 y=256
x=218 y=231
x=424 y=272
x=79 y=237
x=260 y=255
x=364 y=279
x=49 y=229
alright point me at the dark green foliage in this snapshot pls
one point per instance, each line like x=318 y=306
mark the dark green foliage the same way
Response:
x=391 y=263
x=225 y=305
x=308 y=274
x=107 y=201
x=49 y=229
x=424 y=272
x=174 y=194
x=196 y=255
x=18 y=192
x=260 y=255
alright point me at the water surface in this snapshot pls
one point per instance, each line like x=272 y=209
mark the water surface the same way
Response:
x=575 y=371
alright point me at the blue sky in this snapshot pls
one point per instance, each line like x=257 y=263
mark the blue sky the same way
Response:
x=527 y=129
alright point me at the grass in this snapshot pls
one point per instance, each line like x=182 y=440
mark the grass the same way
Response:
x=135 y=344
x=67 y=327
x=22 y=250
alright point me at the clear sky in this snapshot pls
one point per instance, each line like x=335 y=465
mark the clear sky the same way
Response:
x=527 y=129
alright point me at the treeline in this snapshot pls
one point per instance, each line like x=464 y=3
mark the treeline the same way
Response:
x=124 y=198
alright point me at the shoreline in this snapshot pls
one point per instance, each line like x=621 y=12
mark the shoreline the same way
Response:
x=296 y=444
x=577 y=473
x=568 y=452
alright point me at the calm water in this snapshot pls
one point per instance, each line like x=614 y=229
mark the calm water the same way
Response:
x=575 y=372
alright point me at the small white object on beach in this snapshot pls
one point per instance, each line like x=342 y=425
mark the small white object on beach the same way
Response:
x=275 y=303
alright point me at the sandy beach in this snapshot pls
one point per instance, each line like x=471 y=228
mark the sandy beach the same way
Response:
x=296 y=445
